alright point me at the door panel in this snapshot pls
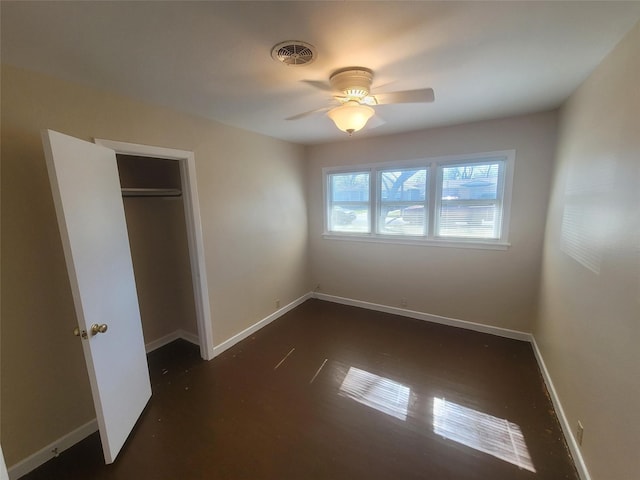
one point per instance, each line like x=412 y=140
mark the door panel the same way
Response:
x=4 y=475
x=86 y=191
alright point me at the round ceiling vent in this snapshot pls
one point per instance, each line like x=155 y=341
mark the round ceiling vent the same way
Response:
x=294 y=53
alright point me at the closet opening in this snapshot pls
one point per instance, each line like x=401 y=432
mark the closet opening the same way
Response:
x=155 y=215
x=159 y=193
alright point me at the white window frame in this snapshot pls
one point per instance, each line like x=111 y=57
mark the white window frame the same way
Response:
x=328 y=204
x=379 y=202
x=432 y=201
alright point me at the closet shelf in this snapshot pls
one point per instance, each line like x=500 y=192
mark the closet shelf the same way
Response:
x=151 y=192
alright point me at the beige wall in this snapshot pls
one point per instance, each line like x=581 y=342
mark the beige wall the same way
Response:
x=491 y=287
x=589 y=325
x=252 y=201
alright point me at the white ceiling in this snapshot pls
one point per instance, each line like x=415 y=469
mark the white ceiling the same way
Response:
x=483 y=59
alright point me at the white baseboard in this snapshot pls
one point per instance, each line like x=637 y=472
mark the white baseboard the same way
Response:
x=218 y=349
x=574 y=448
x=47 y=453
x=162 y=341
x=452 y=322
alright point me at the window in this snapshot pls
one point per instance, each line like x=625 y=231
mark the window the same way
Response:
x=403 y=201
x=463 y=201
x=349 y=207
x=470 y=200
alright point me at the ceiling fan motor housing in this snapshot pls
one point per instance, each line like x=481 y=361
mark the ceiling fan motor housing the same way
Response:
x=353 y=82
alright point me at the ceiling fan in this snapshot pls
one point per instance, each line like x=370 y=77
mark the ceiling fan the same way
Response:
x=351 y=89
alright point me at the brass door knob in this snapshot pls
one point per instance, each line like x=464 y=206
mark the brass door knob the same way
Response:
x=80 y=333
x=96 y=329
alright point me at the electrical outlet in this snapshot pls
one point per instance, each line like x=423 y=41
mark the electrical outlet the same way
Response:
x=579 y=432
x=277 y=303
x=403 y=302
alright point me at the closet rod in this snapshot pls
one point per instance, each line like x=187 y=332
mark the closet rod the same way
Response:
x=151 y=192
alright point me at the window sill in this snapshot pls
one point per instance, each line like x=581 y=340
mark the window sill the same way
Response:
x=457 y=243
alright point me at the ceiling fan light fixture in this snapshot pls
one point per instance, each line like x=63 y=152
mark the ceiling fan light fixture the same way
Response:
x=353 y=82
x=356 y=93
x=351 y=116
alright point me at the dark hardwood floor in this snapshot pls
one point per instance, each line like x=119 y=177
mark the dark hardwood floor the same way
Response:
x=335 y=392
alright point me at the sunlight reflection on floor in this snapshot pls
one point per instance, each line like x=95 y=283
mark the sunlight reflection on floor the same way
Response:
x=483 y=432
x=377 y=392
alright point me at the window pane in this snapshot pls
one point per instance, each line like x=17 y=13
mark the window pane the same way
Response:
x=350 y=187
x=470 y=204
x=349 y=218
x=349 y=209
x=402 y=202
x=406 y=185
x=468 y=220
x=471 y=182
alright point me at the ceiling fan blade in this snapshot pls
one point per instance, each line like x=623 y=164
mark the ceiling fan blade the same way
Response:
x=424 y=95
x=324 y=86
x=340 y=99
x=375 y=121
x=306 y=114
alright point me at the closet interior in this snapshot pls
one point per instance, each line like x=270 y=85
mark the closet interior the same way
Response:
x=154 y=211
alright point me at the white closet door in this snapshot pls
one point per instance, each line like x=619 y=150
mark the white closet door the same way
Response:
x=3 y=467
x=86 y=192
